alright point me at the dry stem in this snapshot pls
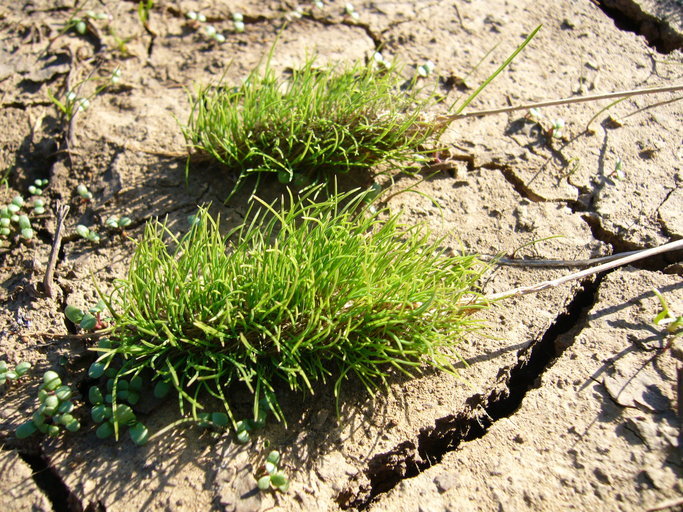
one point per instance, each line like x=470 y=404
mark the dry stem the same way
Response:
x=639 y=255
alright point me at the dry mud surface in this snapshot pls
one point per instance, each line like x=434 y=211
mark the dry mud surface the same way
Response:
x=568 y=402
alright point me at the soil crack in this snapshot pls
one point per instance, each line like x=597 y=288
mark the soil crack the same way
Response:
x=629 y=16
x=48 y=480
x=517 y=183
x=619 y=244
x=409 y=459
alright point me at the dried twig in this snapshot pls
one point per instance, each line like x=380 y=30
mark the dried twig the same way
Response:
x=639 y=255
x=564 y=101
x=663 y=505
x=523 y=262
x=62 y=212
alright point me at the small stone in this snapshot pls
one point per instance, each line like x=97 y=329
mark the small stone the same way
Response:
x=602 y=477
x=519 y=439
x=445 y=481
x=568 y=24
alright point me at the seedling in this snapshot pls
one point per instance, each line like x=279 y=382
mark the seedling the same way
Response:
x=534 y=115
x=87 y=233
x=380 y=61
x=297 y=13
x=79 y=23
x=72 y=103
x=11 y=215
x=54 y=415
x=37 y=188
x=116 y=76
x=271 y=478
x=238 y=22
x=318 y=288
x=38 y=206
x=425 y=69
x=350 y=10
x=88 y=321
x=144 y=8
x=244 y=428
x=25 y=227
x=195 y=16
x=118 y=222
x=7 y=374
x=83 y=192
x=666 y=318
x=312 y=126
x=110 y=410
x=618 y=171
x=556 y=131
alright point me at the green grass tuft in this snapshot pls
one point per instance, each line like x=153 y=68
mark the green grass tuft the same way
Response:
x=313 y=125
x=295 y=295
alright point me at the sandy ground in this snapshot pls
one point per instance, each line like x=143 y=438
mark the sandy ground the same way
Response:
x=568 y=401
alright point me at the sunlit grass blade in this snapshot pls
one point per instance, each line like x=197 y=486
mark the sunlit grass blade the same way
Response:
x=305 y=289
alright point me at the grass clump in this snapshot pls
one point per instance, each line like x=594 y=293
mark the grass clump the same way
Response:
x=297 y=294
x=313 y=125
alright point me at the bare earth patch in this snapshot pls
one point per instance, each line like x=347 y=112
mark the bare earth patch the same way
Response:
x=567 y=401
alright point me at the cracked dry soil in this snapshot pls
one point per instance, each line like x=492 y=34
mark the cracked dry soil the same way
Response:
x=567 y=401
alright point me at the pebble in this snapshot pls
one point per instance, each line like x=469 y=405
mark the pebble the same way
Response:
x=445 y=481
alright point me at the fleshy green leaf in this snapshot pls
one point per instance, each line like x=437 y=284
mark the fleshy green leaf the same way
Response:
x=99 y=413
x=274 y=457
x=74 y=314
x=123 y=415
x=22 y=368
x=161 y=389
x=63 y=393
x=220 y=419
x=105 y=430
x=279 y=480
x=26 y=429
x=88 y=322
x=264 y=483
x=96 y=370
x=95 y=395
x=139 y=434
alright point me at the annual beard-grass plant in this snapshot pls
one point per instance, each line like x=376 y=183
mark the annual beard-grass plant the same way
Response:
x=319 y=122
x=313 y=125
x=305 y=290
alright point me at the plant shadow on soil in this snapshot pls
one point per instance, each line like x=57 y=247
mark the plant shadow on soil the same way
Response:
x=119 y=470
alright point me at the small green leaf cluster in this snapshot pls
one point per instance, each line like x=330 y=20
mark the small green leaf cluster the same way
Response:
x=80 y=23
x=83 y=192
x=618 y=172
x=82 y=230
x=244 y=428
x=73 y=102
x=351 y=11
x=87 y=233
x=114 y=414
x=54 y=413
x=7 y=374
x=238 y=21
x=316 y=124
x=273 y=477
x=11 y=214
x=424 y=70
x=672 y=323
x=86 y=320
x=118 y=222
x=305 y=291
x=113 y=221
x=195 y=18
